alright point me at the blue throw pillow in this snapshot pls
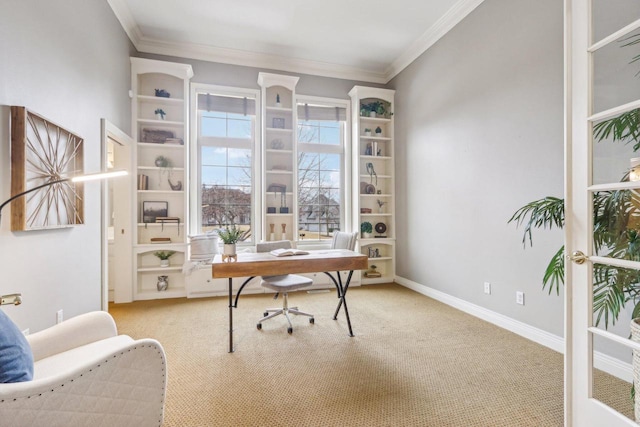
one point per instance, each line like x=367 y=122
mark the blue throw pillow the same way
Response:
x=16 y=358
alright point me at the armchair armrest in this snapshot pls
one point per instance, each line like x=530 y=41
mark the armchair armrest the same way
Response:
x=123 y=386
x=75 y=332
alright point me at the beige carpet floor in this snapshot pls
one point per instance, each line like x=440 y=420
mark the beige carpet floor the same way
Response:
x=413 y=362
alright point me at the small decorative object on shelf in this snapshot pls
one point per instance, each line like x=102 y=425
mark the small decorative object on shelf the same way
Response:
x=164 y=257
x=278 y=123
x=162 y=162
x=366 y=228
x=152 y=210
x=372 y=272
x=278 y=104
x=272 y=234
x=168 y=220
x=378 y=131
x=381 y=227
x=277 y=144
x=367 y=132
x=162 y=93
x=175 y=187
x=156 y=136
x=365 y=210
x=164 y=240
x=380 y=205
x=163 y=283
x=284 y=231
x=160 y=113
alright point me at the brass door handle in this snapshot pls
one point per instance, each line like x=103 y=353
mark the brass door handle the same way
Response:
x=578 y=257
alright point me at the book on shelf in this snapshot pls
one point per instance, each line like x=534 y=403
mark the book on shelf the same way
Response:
x=288 y=252
x=160 y=240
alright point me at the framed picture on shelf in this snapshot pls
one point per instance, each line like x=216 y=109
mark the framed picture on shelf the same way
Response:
x=278 y=123
x=153 y=210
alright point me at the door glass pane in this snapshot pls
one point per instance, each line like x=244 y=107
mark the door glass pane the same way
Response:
x=616 y=145
x=616 y=230
x=612 y=383
x=615 y=73
x=610 y=16
x=615 y=293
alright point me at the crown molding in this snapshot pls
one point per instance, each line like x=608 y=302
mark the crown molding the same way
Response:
x=122 y=12
x=257 y=60
x=449 y=20
x=276 y=62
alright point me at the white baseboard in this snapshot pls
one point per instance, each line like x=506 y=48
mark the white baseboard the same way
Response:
x=602 y=361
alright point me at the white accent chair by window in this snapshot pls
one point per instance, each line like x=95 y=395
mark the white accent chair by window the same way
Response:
x=344 y=240
x=282 y=285
x=85 y=374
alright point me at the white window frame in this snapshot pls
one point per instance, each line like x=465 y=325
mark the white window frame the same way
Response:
x=346 y=201
x=195 y=162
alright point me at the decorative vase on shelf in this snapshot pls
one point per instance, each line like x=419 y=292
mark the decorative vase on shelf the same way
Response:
x=163 y=283
x=164 y=263
x=367 y=133
x=284 y=231
x=372 y=114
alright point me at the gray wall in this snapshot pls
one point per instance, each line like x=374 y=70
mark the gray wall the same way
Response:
x=67 y=60
x=247 y=77
x=479 y=133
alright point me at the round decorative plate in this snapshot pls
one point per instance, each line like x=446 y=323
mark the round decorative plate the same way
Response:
x=381 y=227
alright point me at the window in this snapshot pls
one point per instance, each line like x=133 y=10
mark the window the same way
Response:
x=226 y=134
x=321 y=176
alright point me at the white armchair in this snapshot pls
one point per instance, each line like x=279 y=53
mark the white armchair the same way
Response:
x=85 y=374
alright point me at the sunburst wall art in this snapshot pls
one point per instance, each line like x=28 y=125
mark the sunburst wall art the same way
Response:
x=43 y=152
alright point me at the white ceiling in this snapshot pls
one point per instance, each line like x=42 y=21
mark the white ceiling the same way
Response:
x=368 y=40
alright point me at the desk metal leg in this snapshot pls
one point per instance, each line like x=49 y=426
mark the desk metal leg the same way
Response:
x=343 y=301
x=230 y=315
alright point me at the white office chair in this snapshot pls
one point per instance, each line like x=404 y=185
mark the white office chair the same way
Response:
x=344 y=240
x=282 y=285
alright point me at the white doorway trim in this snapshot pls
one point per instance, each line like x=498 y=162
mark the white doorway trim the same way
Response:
x=122 y=145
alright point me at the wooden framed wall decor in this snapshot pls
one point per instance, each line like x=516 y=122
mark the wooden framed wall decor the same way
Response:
x=43 y=152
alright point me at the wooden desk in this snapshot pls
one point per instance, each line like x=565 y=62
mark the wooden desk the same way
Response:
x=265 y=264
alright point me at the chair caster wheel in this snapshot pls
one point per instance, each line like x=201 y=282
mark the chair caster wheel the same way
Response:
x=259 y=326
x=290 y=330
x=312 y=320
x=266 y=313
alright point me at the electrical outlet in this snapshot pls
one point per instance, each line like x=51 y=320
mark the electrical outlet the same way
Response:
x=520 y=298
x=487 y=288
x=59 y=316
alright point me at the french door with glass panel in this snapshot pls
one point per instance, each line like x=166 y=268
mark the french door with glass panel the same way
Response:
x=603 y=210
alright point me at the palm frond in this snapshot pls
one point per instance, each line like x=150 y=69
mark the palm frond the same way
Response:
x=608 y=296
x=622 y=128
x=542 y=213
x=554 y=274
